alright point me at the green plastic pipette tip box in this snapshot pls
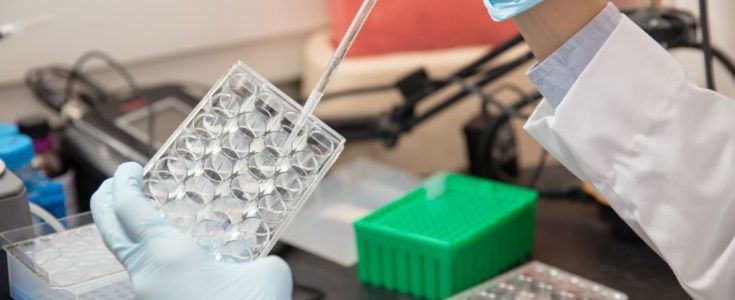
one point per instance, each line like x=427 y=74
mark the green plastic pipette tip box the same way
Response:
x=450 y=233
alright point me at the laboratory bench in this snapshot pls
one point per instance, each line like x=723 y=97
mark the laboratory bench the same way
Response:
x=569 y=235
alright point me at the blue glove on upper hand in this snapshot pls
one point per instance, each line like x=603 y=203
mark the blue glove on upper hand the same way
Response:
x=163 y=262
x=504 y=9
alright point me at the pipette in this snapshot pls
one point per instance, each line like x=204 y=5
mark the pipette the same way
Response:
x=316 y=94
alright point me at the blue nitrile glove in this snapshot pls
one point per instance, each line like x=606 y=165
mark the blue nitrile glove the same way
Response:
x=163 y=262
x=504 y=9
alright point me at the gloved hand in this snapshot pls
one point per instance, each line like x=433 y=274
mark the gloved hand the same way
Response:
x=163 y=262
x=504 y=9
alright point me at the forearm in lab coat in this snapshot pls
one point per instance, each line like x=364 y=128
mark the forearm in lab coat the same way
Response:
x=660 y=149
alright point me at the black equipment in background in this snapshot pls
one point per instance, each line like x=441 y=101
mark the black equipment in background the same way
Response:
x=706 y=44
x=116 y=131
x=104 y=127
x=501 y=161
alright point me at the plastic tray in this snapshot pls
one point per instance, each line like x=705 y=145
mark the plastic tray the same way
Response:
x=352 y=191
x=539 y=281
x=73 y=264
x=447 y=235
x=226 y=176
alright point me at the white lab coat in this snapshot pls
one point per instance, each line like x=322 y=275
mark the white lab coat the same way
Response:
x=659 y=148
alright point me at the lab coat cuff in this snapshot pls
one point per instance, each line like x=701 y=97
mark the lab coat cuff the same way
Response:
x=555 y=75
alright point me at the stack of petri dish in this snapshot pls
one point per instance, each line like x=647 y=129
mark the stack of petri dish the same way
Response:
x=227 y=176
x=70 y=257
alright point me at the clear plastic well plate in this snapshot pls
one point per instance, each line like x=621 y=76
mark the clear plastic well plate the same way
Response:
x=226 y=176
x=71 y=264
x=539 y=281
x=70 y=257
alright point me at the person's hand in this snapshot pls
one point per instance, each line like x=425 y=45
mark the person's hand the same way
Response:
x=163 y=262
x=505 y=9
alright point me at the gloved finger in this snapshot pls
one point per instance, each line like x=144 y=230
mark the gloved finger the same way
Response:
x=278 y=279
x=103 y=213
x=137 y=217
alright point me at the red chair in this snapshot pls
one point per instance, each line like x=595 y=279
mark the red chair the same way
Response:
x=411 y=25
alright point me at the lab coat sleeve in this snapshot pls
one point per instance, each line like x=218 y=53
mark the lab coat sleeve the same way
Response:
x=659 y=148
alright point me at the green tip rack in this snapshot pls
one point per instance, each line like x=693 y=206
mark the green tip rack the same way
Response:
x=452 y=232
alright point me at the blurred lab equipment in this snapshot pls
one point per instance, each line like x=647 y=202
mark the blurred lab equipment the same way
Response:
x=8 y=129
x=104 y=127
x=17 y=153
x=706 y=44
x=114 y=131
x=15 y=214
x=48 y=159
x=536 y=280
x=445 y=236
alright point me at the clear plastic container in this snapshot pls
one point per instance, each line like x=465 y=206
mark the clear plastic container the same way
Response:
x=72 y=264
x=536 y=280
x=228 y=175
x=353 y=190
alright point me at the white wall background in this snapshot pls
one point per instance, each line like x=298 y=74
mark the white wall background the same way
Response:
x=139 y=32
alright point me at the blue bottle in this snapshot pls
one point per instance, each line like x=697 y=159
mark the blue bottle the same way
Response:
x=8 y=129
x=16 y=150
